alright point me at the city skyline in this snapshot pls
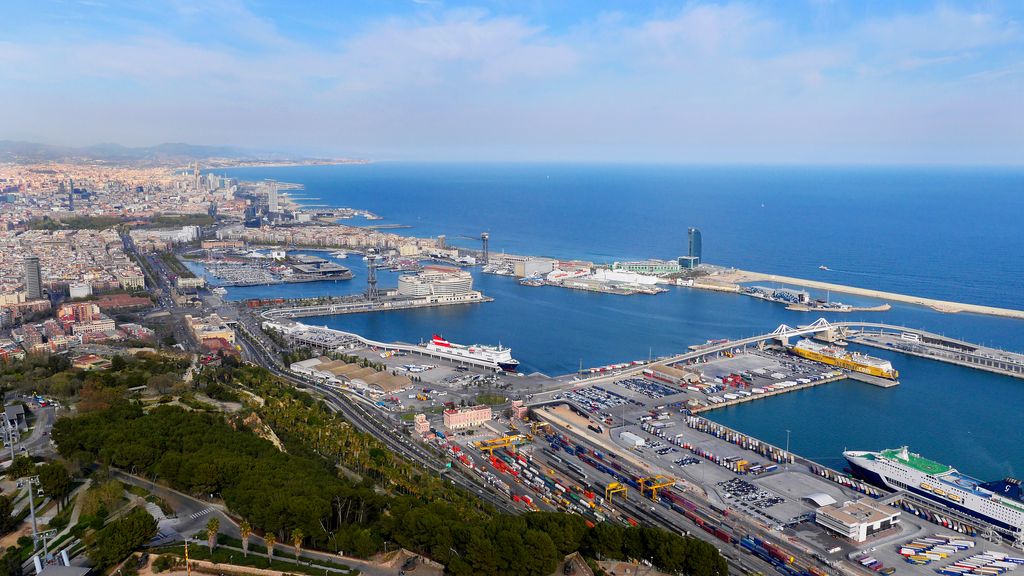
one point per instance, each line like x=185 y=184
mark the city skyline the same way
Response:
x=813 y=82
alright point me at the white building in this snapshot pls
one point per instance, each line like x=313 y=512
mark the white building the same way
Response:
x=435 y=281
x=624 y=277
x=857 y=520
x=632 y=440
x=80 y=290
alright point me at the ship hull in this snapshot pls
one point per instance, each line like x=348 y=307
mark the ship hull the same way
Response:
x=495 y=358
x=877 y=479
x=844 y=363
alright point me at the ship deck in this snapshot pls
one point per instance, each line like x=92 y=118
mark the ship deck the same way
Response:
x=917 y=462
x=963 y=482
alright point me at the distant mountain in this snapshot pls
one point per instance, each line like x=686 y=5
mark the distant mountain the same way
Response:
x=168 y=153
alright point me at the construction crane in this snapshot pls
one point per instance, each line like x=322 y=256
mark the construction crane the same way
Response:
x=615 y=488
x=490 y=446
x=653 y=484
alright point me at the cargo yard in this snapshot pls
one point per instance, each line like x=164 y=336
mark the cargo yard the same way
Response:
x=626 y=443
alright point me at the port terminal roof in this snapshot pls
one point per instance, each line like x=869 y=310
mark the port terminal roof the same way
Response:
x=820 y=499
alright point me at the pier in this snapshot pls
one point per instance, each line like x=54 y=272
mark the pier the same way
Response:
x=328 y=339
x=361 y=305
x=770 y=393
x=735 y=277
x=941 y=348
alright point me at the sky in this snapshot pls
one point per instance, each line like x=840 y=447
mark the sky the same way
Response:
x=788 y=81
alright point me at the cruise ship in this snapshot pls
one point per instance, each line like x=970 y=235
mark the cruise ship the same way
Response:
x=999 y=503
x=499 y=357
x=845 y=359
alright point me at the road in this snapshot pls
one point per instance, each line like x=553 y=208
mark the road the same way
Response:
x=366 y=418
x=38 y=442
x=193 y=514
x=360 y=413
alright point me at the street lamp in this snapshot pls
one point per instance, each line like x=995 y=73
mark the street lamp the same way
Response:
x=787 y=449
x=33 y=481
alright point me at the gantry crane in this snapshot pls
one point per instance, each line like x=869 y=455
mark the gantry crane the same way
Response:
x=615 y=488
x=490 y=446
x=653 y=484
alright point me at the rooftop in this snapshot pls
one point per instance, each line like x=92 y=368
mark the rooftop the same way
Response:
x=858 y=512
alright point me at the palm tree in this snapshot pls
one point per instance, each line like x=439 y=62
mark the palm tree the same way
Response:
x=297 y=537
x=246 y=529
x=212 y=527
x=270 y=539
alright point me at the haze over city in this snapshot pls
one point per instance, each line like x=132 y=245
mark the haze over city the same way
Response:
x=690 y=82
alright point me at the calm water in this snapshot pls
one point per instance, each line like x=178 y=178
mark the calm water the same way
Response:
x=941 y=233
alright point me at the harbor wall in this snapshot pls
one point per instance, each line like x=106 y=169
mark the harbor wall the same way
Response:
x=740 y=276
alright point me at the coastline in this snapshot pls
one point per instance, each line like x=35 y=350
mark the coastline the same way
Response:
x=730 y=280
x=282 y=163
x=740 y=276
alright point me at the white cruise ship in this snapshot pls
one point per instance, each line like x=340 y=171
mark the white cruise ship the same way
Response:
x=499 y=357
x=999 y=503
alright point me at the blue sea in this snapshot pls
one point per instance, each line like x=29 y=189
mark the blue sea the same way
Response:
x=937 y=232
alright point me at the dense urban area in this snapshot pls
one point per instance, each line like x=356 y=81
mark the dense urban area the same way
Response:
x=153 y=424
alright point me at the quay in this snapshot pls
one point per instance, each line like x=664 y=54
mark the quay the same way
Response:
x=736 y=277
x=806 y=308
x=837 y=376
x=740 y=484
x=940 y=348
x=329 y=340
x=362 y=305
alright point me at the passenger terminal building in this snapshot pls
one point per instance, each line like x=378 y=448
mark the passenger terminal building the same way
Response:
x=858 y=520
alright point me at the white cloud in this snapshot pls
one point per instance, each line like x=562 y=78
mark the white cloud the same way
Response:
x=705 y=82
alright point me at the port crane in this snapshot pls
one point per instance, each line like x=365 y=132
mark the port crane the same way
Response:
x=653 y=484
x=615 y=488
x=490 y=446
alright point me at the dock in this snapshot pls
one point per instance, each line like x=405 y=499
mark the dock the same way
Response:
x=736 y=277
x=770 y=393
x=363 y=305
x=942 y=349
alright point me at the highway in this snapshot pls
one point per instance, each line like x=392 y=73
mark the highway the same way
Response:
x=356 y=411
x=365 y=418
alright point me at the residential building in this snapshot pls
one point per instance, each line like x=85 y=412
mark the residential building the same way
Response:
x=33 y=278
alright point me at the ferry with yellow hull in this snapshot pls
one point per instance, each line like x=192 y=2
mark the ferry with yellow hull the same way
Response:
x=854 y=361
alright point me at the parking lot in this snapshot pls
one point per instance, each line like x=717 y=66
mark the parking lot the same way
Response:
x=745 y=494
x=647 y=387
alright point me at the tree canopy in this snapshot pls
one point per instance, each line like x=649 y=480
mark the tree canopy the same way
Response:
x=307 y=491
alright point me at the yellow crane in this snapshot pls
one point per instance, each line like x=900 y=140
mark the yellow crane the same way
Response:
x=653 y=484
x=490 y=446
x=540 y=426
x=615 y=488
